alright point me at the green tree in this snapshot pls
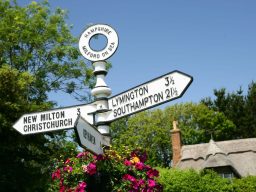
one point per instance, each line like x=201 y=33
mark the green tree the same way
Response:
x=199 y=124
x=36 y=40
x=23 y=159
x=237 y=107
x=150 y=130
x=250 y=110
x=38 y=54
x=147 y=130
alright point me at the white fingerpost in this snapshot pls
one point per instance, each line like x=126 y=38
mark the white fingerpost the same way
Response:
x=104 y=110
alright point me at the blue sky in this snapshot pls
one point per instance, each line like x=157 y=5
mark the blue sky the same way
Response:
x=213 y=41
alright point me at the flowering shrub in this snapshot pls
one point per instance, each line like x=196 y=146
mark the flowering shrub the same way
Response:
x=108 y=172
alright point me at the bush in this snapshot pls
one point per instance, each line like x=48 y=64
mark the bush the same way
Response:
x=176 y=180
x=247 y=184
x=192 y=181
x=211 y=181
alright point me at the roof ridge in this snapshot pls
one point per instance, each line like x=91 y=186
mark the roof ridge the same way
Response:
x=237 y=140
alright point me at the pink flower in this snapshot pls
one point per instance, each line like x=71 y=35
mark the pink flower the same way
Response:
x=135 y=185
x=139 y=166
x=81 y=154
x=62 y=187
x=127 y=162
x=67 y=161
x=56 y=174
x=141 y=182
x=152 y=173
x=126 y=176
x=151 y=183
x=129 y=178
x=81 y=187
x=68 y=168
x=91 y=168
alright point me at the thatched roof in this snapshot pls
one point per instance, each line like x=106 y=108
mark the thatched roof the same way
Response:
x=239 y=154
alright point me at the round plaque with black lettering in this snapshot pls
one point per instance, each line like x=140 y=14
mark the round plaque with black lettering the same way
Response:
x=103 y=54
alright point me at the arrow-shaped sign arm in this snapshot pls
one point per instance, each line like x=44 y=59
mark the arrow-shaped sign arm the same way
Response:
x=52 y=120
x=160 y=90
x=89 y=137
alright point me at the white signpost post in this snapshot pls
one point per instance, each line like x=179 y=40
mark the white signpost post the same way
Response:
x=89 y=137
x=104 y=110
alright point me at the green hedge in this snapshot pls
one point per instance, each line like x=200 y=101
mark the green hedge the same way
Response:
x=192 y=181
x=247 y=184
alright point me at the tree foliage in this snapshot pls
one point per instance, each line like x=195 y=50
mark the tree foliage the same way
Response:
x=199 y=124
x=22 y=158
x=36 y=40
x=237 y=107
x=150 y=130
x=147 y=130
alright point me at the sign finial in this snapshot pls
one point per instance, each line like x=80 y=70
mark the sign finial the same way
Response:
x=107 y=51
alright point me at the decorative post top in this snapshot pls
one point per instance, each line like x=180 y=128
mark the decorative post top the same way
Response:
x=107 y=51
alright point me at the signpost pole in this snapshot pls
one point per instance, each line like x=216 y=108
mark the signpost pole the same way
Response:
x=101 y=92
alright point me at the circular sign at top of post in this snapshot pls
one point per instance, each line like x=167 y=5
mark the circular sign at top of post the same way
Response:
x=107 y=51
